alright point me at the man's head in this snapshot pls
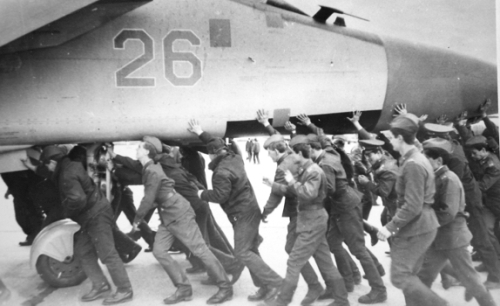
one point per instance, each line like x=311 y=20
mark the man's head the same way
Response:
x=315 y=144
x=300 y=145
x=403 y=130
x=372 y=149
x=275 y=146
x=215 y=147
x=478 y=146
x=438 y=151
x=51 y=155
x=149 y=147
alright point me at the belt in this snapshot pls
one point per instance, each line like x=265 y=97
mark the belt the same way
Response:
x=309 y=207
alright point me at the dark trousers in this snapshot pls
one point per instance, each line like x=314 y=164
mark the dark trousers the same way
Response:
x=187 y=232
x=310 y=243
x=95 y=240
x=407 y=254
x=348 y=227
x=29 y=214
x=216 y=240
x=307 y=270
x=124 y=202
x=484 y=243
x=246 y=248
x=461 y=261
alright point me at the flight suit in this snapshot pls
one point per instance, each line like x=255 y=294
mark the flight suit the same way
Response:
x=310 y=189
x=452 y=238
x=346 y=224
x=83 y=202
x=177 y=221
x=414 y=227
x=289 y=162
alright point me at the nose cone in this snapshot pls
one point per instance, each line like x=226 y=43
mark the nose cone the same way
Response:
x=431 y=80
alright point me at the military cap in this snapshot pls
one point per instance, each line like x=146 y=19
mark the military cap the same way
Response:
x=476 y=140
x=371 y=144
x=407 y=122
x=325 y=141
x=155 y=142
x=215 y=144
x=52 y=153
x=272 y=139
x=312 y=138
x=438 y=128
x=439 y=143
x=299 y=139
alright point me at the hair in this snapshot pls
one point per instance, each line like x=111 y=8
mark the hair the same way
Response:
x=408 y=137
x=79 y=154
x=280 y=146
x=479 y=146
x=304 y=148
x=152 y=150
x=435 y=153
x=316 y=145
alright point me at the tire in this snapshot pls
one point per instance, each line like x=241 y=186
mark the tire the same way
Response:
x=60 y=274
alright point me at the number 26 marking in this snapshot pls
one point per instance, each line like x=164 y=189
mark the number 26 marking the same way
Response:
x=123 y=78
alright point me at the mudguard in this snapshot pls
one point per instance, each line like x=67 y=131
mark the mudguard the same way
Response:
x=55 y=240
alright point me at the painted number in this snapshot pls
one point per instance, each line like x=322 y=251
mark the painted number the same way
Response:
x=122 y=75
x=171 y=57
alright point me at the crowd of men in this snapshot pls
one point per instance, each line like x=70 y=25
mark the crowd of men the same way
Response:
x=439 y=185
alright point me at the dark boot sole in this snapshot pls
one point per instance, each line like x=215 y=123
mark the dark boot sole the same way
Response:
x=118 y=302
x=184 y=299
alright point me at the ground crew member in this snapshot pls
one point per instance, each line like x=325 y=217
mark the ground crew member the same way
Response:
x=83 y=202
x=486 y=245
x=286 y=160
x=415 y=224
x=345 y=222
x=453 y=236
x=384 y=175
x=311 y=190
x=488 y=178
x=232 y=189
x=177 y=221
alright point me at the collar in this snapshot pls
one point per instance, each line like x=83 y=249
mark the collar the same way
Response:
x=214 y=163
x=150 y=162
x=408 y=155
x=282 y=158
x=440 y=171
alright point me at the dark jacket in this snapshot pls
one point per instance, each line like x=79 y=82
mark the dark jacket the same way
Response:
x=286 y=162
x=340 y=196
x=415 y=187
x=81 y=199
x=159 y=192
x=310 y=190
x=231 y=187
x=488 y=178
x=385 y=174
x=449 y=205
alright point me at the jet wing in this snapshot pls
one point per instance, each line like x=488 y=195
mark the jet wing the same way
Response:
x=20 y=17
x=27 y=25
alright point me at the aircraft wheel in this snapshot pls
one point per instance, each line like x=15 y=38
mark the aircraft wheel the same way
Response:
x=60 y=274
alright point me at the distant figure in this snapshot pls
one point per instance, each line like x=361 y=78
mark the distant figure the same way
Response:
x=248 y=148
x=256 y=150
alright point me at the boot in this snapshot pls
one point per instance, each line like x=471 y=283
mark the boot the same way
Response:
x=339 y=293
x=372 y=231
x=259 y=295
x=373 y=297
x=224 y=294
x=183 y=293
x=312 y=295
x=96 y=292
x=119 y=297
x=285 y=294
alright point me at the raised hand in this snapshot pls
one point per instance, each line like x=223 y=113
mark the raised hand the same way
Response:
x=304 y=120
x=355 y=116
x=290 y=126
x=194 y=127
x=400 y=109
x=262 y=116
x=442 y=119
